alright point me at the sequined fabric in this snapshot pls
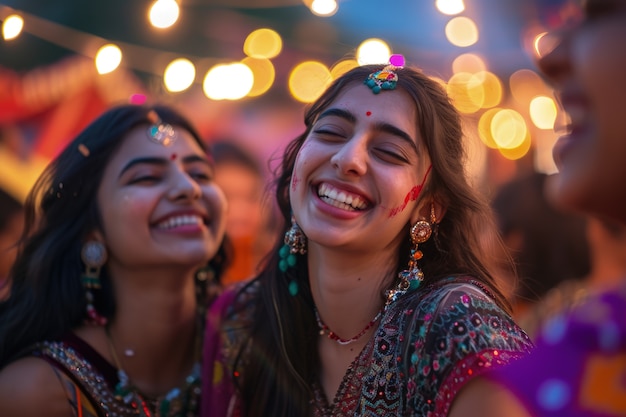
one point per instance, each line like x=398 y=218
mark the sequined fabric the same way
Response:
x=429 y=343
x=91 y=379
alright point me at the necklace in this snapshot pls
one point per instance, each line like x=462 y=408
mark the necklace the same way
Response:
x=325 y=330
x=179 y=401
x=406 y=284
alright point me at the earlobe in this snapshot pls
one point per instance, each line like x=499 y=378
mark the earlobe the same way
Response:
x=431 y=211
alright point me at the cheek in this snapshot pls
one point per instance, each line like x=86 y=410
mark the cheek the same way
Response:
x=410 y=196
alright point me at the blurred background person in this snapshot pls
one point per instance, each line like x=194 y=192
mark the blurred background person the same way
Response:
x=549 y=246
x=11 y=226
x=250 y=220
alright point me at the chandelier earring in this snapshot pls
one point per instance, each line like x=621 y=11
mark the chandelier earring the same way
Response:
x=94 y=256
x=411 y=278
x=295 y=243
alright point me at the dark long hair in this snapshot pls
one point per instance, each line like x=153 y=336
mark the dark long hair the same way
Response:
x=278 y=360
x=47 y=298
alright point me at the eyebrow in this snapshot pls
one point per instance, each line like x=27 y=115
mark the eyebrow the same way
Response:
x=379 y=126
x=162 y=162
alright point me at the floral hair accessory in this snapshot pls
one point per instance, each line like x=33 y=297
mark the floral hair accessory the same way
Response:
x=386 y=78
x=159 y=132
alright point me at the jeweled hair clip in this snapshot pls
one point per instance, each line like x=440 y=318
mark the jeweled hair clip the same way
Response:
x=159 y=132
x=386 y=78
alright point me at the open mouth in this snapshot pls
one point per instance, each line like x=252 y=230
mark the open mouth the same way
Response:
x=178 y=221
x=340 y=199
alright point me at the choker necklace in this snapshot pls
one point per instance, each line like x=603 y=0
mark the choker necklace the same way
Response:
x=179 y=401
x=324 y=330
x=404 y=286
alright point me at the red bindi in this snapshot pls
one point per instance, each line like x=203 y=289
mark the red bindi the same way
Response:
x=368 y=113
x=173 y=157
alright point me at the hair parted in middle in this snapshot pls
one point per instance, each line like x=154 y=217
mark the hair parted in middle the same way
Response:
x=276 y=372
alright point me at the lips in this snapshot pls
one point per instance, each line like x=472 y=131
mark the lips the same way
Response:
x=342 y=199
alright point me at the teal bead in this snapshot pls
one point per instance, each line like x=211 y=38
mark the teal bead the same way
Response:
x=282 y=265
x=414 y=284
x=284 y=251
x=293 y=288
x=291 y=259
x=376 y=89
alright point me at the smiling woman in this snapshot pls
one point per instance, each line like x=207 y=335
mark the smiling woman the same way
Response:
x=124 y=232
x=380 y=298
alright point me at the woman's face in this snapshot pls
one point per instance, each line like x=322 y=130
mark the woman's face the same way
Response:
x=355 y=180
x=159 y=204
x=588 y=69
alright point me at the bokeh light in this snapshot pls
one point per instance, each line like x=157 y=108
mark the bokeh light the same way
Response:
x=228 y=81
x=12 y=27
x=179 y=75
x=373 y=51
x=462 y=31
x=543 y=112
x=264 y=75
x=108 y=58
x=163 y=13
x=263 y=43
x=308 y=80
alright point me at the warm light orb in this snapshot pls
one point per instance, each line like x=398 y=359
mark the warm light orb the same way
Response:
x=179 y=75
x=264 y=75
x=12 y=27
x=228 y=81
x=324 y=7
x=342 y=67
x=308 y=80
x=450 y=7
x=373 y=51
x=462 y=31
x=164 y=13
x=108 y=58
x=508 y=129
x=543 y=112
x=471 y=63
x=263 y=43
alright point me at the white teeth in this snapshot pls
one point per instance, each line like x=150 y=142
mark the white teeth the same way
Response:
x=180 y=221
x=340 y=199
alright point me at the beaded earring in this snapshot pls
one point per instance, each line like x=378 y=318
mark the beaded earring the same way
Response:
x=94 y=256
x=294 y=243
x=411 y=278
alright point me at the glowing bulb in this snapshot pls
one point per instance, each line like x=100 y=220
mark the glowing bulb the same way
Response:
x=12 y=27
x=164 y=13
x=108 y=59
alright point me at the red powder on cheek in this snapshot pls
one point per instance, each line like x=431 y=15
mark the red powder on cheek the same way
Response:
x=294 y=182
x=410 y=196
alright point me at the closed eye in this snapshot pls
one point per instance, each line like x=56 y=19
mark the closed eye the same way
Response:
x=390 y=156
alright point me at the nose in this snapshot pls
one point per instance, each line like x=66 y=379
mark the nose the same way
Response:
x=184 y=187
x=352 y=157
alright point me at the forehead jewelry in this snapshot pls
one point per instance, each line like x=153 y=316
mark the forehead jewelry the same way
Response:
x=386 y=78
x=159 y=132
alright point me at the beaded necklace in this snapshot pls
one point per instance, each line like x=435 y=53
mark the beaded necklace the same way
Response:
x=179 y=401
x=408 y=281
x=325 y=330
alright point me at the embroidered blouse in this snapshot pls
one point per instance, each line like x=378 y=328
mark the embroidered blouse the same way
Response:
x=90 y=380
x=428 y=344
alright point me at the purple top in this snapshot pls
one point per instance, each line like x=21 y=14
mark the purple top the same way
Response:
x=579 y=366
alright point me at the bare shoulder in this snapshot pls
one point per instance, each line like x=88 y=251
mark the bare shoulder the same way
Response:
x=30 y=387
x=483 y=398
